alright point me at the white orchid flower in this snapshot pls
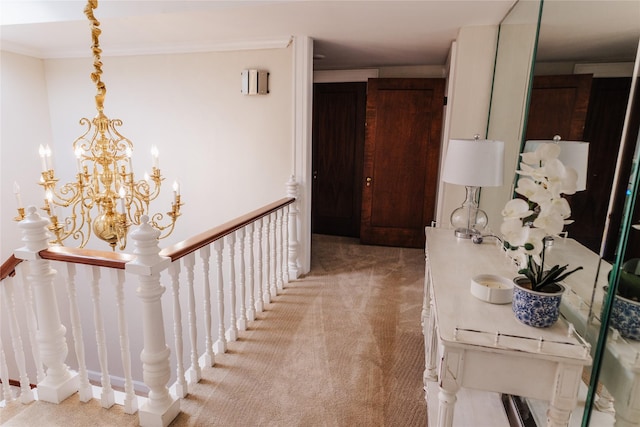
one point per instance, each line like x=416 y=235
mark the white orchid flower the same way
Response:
x=551 y=222
x=514 y=232
x=516 y=208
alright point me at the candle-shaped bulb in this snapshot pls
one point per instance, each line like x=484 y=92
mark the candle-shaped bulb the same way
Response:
x=123 y=193
x=129 y=152
x=42 y=152
x=176 y=191
x=16 y=191
x=49 y=196
x=48 y=154
x=154 y=156
x=78 y=153
x=146 y=176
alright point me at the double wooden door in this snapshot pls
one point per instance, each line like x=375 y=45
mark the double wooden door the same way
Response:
x=394 y=173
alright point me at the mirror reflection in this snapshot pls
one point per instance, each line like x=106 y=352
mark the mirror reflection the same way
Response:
x=582 y=90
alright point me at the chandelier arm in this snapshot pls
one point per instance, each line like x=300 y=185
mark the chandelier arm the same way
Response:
x=154 y=221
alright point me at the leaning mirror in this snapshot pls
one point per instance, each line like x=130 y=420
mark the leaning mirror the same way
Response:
x=581 y=92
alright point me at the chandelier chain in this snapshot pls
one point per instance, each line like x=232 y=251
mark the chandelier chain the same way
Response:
x=95 y=48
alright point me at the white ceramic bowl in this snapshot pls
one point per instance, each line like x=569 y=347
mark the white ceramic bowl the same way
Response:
x=492 y=288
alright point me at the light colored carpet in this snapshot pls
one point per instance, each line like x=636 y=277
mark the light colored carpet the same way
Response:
x=341 y=347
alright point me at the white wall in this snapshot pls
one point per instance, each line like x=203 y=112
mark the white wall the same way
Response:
x=468 y=108
x=231 y=153
x=24 y=124
x=508 y=110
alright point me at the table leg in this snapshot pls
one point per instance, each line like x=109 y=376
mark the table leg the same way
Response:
x=431 y=349
x=565 y=395
x=450 y=371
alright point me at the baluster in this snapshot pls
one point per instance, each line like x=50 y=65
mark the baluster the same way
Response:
x=266 y=295
x=59 y=382
x=130 y=399
x=221 y=344
x=251 y=310
x=285 y=245
x=259 y=301
x=26 y=395
x=7 y=395
x=242 y=320
x=292 y=191
x=205 y=255
x=273 y=285
x=85 y=392
x=160 y=408
x=278 y=243
x=194 y=373
x=31 y=321
x=180 y=387
x=107 y=398
x=232 y=333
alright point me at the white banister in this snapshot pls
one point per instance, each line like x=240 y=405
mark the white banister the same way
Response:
x=292 y=191
x=254 y=272
x=4 y=375
x=260 y=288
x=221 y=344
x=85 y=392
x=194 y=374
x=266 y=261
x=32 y=321
x=59 y=381
x=232 y=332
x=273 y=285
x=205 y=255
x=278 y=242
x=285 y=246
x=107 y=398
x=160 y=408
x=130 y=399
x=180 y=387
x=26 y=395
x=242 y=319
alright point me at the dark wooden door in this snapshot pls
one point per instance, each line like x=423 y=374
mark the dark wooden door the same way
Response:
x=338 y=144
x=402 y=150
x=558 y=107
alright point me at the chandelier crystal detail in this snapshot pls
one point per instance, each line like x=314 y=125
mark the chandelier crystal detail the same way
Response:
x=105 y=199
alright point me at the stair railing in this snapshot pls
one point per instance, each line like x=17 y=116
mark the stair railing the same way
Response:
x=248 y=260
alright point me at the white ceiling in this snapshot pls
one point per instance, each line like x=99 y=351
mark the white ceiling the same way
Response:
x=349 y=34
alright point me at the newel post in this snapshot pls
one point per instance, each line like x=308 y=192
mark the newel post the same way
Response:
x=292 y=191
x=161 y=407
x=59 y=382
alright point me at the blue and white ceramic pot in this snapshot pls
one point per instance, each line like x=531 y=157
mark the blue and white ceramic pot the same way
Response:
x=538 y=309
x=625 y=317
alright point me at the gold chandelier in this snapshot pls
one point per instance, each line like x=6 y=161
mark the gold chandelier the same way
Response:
x=104 y=180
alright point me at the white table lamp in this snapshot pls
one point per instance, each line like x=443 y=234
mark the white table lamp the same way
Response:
x=574 y=154
x=473 y=163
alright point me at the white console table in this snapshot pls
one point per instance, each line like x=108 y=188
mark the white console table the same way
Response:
x=473 y=344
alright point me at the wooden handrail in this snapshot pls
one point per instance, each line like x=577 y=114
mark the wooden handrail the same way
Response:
x=9 y=267
x=177 y=251
x=87 y=257
x=201 y=240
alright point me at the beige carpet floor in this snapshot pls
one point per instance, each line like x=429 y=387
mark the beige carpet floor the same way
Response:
x=342 y=346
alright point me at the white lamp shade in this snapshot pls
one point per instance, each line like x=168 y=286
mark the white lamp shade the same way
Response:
x=477 y=163
x=574 y=154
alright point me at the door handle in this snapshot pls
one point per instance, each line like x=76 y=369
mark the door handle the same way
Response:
x=315 y=174
x=368 y=180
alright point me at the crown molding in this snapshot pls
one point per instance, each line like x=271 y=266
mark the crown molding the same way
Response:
x=153 y=49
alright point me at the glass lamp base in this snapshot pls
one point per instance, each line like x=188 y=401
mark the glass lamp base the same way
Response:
x=468 y=219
